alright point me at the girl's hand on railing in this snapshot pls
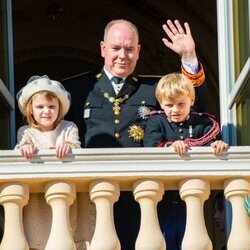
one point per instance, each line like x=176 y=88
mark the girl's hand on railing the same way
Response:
x=27 y=150
x=63 y=149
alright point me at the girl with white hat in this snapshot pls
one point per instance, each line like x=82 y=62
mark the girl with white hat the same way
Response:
x=44 y=103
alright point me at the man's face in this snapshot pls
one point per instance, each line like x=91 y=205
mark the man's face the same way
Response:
x=120 y=50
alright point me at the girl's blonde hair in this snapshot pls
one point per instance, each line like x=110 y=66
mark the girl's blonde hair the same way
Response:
x=28 y=109
x=172 y=86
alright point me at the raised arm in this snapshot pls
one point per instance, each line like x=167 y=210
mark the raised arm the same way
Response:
x=180 y=41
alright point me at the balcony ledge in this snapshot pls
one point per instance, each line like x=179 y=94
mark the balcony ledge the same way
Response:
x=126 y=165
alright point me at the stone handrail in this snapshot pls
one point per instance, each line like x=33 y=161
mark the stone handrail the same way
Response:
x=104 y=173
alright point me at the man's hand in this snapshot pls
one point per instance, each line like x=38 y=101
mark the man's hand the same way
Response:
x=181 y=42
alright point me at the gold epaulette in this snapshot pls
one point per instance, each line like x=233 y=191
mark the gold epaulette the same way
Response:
x=99 y=75
x=198 y=78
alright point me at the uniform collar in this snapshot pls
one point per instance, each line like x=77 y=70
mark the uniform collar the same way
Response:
x=180 y=123
x=104 y=84
x=110 y=76
x=129 y=86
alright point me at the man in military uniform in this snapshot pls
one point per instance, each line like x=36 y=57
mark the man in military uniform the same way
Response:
x=105 y=107
x=108 y=107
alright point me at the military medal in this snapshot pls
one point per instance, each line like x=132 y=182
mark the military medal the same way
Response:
x=86 y=113
x=144 y=112
x=136 y=132
x=116 y=108
x=190 y=131
x=116 y=102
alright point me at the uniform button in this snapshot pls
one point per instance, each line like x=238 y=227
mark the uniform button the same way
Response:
x=180 y=130
x=143 y=102
x=117 y=135
x=87 y=104
x=181 y=137
x=117 y=121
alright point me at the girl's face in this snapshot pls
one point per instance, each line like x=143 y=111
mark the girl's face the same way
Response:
x=45 y=111
x=178 y=109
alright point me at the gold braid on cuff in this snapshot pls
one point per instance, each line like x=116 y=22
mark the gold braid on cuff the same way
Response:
x=198 y=78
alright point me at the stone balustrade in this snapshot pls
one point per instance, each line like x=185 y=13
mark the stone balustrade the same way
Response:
x=60 y=195
x=97 y=176
x=14 y=196
x=194 y=192
x=104 y=194
x=148 y=192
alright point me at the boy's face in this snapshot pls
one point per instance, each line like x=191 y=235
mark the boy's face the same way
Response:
x=178 y=109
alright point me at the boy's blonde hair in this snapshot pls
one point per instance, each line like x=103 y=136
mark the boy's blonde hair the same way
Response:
x=28 y=109
x=172 y=86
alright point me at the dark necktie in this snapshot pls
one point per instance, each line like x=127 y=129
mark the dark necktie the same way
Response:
x=117 y=80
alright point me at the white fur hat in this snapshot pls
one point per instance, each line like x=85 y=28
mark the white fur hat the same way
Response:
x=42 y=83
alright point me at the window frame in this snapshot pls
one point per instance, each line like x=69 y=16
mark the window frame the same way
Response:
x=230 y=87
x=7 y=78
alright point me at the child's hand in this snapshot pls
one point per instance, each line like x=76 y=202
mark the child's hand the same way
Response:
x=180 y=147
x=62 y=149
x=27 y=150
x=218 y=147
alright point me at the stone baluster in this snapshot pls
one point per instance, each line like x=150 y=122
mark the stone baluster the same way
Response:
x=104 y=194
x=235 y=191
x=60 y=195
x=194 y=192
x=14 y=196
x=148 y=193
